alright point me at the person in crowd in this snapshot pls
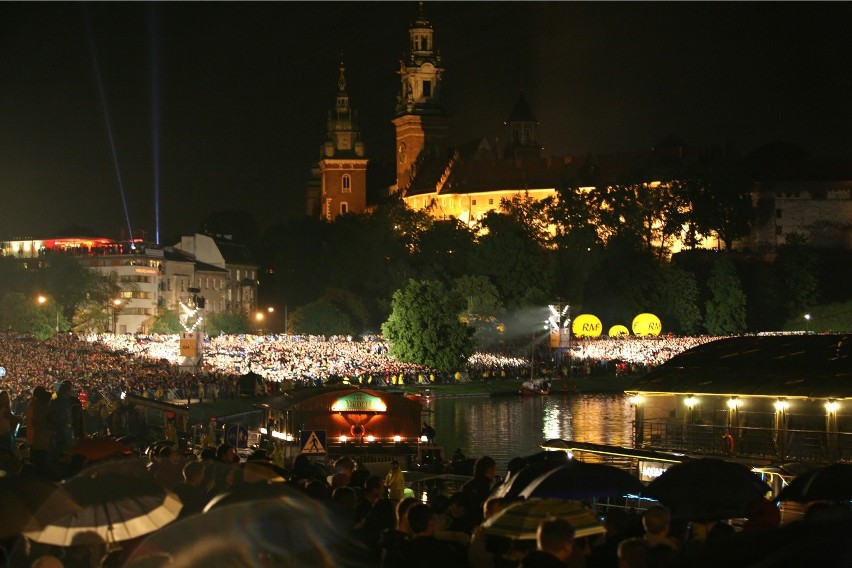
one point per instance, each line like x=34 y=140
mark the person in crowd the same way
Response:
x=480 y=486
x=428 y=432
x=391 y=540
x=395 y=482
x=59 y=415
x=342 y=476
x=373 y=490
x=39 y=433
x=424 y=549
x=554 y=545
x=8 y=423
x=663 y=549
x=632 y=553
x=479 y=553
x=191 y=490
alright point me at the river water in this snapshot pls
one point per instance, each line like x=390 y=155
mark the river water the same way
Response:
x=510 y=426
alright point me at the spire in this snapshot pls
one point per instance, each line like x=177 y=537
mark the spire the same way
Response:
x=420 y=70
x=522 y=124
x=342 y=134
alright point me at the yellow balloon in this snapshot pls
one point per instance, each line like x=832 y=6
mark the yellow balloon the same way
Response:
x=617 y=330
x=646 y=324
x=586 y=325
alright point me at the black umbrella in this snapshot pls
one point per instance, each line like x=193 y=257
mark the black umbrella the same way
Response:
x=29 y=502
x=537 y=465
x=707 y=489
x=581 y=481
x=117 y=502
x=829 y=483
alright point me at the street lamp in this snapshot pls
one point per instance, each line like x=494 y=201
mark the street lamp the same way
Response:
x=42 y=300
x=259 y=318
x=807 y=323
x=116 y=305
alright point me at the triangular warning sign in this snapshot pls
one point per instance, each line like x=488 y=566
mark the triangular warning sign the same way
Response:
x=313 y=445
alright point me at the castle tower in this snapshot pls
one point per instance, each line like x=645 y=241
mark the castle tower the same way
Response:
x=421 y=121
x=342 y=168
x=522 y=137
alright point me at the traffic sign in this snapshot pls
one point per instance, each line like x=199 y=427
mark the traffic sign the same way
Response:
x=312 y=441
x=237 y=436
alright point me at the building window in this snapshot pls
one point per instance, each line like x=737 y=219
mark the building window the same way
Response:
x=347 y=183
x=473 y=202
x=779 y=230
x=490 y=202
x=427 y=88
x=344 y=207
x=778 y=213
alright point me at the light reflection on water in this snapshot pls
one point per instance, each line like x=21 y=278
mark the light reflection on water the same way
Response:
x=511 y=426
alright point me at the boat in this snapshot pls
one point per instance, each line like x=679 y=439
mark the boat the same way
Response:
x=534 y=387
x=423 y=397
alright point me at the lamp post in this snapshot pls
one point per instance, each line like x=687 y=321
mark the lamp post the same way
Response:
x=807 y=323
x=259 y=319
x=42 y=300
x=116 y=305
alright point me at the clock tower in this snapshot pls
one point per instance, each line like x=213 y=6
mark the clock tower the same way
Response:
x=420 y=120
x=341 y=172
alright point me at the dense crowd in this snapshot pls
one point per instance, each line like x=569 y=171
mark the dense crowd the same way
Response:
x=148 y=365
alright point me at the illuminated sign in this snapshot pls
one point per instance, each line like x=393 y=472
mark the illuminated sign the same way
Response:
x=145 y=270
x=587 y=325
x=646 y=324
x=359 y=402
x=651 y=470
x=617 y=330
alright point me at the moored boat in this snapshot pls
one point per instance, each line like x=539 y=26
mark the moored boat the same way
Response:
x=534 y=387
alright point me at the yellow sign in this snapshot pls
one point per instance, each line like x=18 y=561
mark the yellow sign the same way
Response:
x=646 y=324
x=313 y=445
x=359 y=402
x=618 y=330
x=586 y=325
x=188 y=347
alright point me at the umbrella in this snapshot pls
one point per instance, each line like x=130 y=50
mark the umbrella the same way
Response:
x=98 y=448
x=116 y=504
x=580 y=480
x=29 y=502
x=707 y=489
x=520 y=520
x=537 y=465
x=829 y=483
x=258 y=520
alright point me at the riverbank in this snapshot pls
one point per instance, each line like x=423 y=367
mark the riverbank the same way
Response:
x=606 y=384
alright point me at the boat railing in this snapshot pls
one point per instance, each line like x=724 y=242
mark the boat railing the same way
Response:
x=765 y=443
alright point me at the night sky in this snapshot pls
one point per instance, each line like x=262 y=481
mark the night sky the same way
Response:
x=241 y=92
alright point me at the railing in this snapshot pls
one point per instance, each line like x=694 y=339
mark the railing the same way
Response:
x=788 y=445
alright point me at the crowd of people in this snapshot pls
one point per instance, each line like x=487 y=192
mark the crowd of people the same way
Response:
x=149 y=365
x=372 y=520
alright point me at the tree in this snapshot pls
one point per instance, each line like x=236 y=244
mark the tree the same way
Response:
x=797 y=268
x=20 y=313
x=167 y=323
x=676 y=299
x=726 y=310
x=424 y=327
x=482 y=306
x=514 y=252
x=232 y=324
x=321 y=317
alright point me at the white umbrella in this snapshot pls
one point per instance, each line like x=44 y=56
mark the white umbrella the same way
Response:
x=115 y=505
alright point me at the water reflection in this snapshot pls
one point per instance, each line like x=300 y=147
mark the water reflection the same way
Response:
x=511 y=426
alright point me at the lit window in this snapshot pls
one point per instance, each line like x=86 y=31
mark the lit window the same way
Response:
x=490 y=202
x=473 y=202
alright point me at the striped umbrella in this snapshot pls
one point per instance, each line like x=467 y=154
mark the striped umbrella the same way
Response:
x=520 y=520
x=114 y=506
